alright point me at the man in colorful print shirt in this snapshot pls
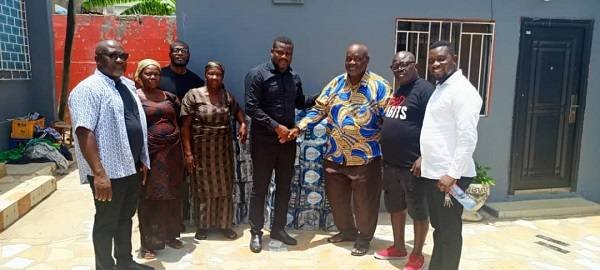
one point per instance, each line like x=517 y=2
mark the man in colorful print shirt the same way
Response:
x=353 y=104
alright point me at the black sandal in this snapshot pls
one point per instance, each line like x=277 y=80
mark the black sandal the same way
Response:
x=201 y=234
x=360 y=249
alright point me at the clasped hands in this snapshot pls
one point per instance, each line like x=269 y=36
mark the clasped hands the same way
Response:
x=285 y=134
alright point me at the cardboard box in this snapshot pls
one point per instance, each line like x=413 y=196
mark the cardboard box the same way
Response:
x=23 y=129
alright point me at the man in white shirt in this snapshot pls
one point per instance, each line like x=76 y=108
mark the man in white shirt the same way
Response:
x=111 y=146
x=448 y=139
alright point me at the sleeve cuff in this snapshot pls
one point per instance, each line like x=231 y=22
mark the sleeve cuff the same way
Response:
x=454 y=174
x=274 y=124
x=301 y=125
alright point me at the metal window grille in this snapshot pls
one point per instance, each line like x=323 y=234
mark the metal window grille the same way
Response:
x=15 y=63
x=473 y=40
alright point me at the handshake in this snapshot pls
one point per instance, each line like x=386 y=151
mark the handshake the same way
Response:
x=285 y=134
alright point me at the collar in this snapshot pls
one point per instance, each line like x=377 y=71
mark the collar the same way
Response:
x=271 y=67
x=365 y=78
x=104 y=77
x=451 y=78
x=409 y=85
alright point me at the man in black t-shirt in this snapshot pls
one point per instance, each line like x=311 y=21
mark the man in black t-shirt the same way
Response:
x=401 y=154
x=175 y=77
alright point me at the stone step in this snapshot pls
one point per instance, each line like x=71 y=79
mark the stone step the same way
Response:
x=2 y=169
x=23 y=187
x=542 y=208
x=17 y=201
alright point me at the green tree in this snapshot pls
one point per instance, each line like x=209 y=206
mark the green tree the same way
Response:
x=141 y=7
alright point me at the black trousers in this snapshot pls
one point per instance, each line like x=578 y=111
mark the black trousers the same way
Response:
x=447 y=225
x=113 y=221
x=269 y=155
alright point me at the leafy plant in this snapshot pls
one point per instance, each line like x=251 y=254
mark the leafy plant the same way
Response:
x=482 y=176
x=141 y=7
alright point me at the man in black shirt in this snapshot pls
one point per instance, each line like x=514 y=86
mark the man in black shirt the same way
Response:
x=273 y=91
x=175 y=77
x=401 y=154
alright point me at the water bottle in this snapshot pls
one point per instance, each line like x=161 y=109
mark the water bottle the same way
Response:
x=467 y=202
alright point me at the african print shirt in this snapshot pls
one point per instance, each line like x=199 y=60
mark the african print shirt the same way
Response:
x=354 y=118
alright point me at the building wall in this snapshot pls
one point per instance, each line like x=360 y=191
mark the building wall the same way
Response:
x=142 y=37
x=239 y=33
x=18 y=97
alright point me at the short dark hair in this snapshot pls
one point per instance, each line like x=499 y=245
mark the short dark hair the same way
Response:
x=284 y=40
x=443 y=43
x=178 y=42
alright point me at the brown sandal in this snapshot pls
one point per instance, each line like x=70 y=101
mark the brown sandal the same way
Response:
x=340 y=237
x=147 y=254
x=175 y=243
x=229 y=233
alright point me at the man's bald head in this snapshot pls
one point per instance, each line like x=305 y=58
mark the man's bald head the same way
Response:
x=405 y=55
x=104 y=45
x=358 y=48
x=111 y=58
x=357 y=60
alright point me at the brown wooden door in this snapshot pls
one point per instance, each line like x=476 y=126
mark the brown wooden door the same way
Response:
x=549 y=94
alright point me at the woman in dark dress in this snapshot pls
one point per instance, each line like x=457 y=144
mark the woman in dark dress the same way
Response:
x=160 y=196
x=208 y=148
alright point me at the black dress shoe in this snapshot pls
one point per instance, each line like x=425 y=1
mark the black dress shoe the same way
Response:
x=256 y=243
x=283 y=237
x=133 y=266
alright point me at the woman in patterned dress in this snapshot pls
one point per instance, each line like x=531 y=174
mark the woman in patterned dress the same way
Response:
x=208 y=148
x=161 y=192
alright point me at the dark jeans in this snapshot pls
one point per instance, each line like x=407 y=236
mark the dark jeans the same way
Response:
x=269 y=155
x=361 y=184
x=112 y=221
x=447 y=225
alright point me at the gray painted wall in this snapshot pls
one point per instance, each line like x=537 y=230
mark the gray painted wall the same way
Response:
x=239 y=33
x=17 y=98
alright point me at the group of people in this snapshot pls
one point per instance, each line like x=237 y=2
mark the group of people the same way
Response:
x=143 y=144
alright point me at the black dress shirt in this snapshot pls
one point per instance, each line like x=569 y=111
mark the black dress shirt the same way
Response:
x=271 y=97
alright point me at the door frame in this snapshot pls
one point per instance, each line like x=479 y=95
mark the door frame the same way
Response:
x=587 y=26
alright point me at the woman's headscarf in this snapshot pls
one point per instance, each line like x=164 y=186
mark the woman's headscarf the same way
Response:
x=142 y=65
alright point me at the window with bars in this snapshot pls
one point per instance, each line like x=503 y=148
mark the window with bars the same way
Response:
x=14 y=44
x=473 y=41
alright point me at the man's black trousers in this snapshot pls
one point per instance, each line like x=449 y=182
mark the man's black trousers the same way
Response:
x=447 y=225
x=113 y=221
x=269 y=155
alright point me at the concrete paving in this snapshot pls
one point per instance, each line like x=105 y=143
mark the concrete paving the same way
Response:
x=56 y=234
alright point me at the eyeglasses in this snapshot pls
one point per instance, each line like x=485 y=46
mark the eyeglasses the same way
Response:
x=402 y=65
x=180 y=50
x=281 y=53
x=116 y=55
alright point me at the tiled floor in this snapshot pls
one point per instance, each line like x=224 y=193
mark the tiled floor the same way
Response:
x=56 y=234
